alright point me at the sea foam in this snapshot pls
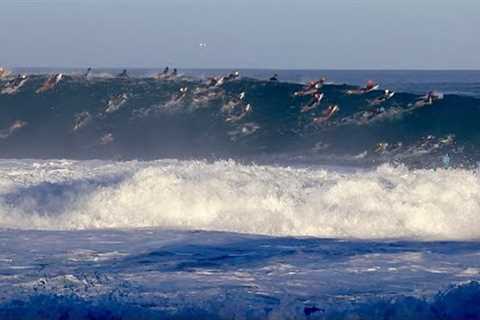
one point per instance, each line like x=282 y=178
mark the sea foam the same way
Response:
x=386 y=202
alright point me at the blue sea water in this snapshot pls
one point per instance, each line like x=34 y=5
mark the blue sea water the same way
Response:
x=153 y=209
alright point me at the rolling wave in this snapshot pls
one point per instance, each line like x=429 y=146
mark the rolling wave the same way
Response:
x=111 y=118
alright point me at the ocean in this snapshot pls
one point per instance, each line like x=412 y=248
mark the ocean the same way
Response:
x=143 y=198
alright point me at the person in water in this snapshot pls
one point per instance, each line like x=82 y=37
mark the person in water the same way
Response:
x=181 y=95
x=50 y=83
x=326 y=115
x=315 y=84
x=4 y=72
x=370 y=86
x=212 y=82
x=123 y=74
x=16 y=81
x=311 y=87
x=87 y=73
x=162 y=75
x=386 y=96
x=317 y=98
x=274 y=78
x=428 y=99
x=232 y=76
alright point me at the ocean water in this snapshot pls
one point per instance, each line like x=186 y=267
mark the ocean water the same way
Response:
x=121 y=200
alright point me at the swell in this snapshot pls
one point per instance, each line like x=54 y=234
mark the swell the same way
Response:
x=140 y=119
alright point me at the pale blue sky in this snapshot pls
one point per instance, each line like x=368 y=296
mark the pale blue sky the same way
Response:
x=348 y=34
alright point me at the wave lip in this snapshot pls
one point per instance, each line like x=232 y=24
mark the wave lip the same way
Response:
x=387 y=202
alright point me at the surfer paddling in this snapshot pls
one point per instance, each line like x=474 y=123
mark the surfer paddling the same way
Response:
x=4 y=73
x=181 y=95
x=15 y=84
x=428 y=99
x=50 y=83
x=123 y=74
x=87 y=73
x=387 y=95
x=326 y=114
x=163 y=75
x=369 y=87
x=311 y=87
x=274 y=78
x=220 y=80
x=315 y=102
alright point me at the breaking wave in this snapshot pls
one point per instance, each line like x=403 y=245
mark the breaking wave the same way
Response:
x=387 y=202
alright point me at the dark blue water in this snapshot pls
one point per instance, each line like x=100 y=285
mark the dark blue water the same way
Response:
x=143 y=118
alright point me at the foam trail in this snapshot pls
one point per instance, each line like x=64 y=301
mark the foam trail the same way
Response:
x=388 y=202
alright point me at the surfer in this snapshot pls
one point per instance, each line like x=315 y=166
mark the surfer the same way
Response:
x=234 y=103
x=163 y=74
x=50 y=83
x=274 y=78
x=174 y=74
x=232 y=76
x=181 y=95
x=386 y=96
x=87 y=73
x=116 y=103
x=369 y=87
x=311 y=87
x=314 y=102
x=428 y=99
x=15 y=126
x=239 y=113
x=4 y=73
x=326 y=114
x=16 y=82
x=236 y=108
x=218 y=81
x=123 y=74
x=202 y=95
x=211 y=82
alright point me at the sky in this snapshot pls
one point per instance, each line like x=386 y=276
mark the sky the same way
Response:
x=277 y=34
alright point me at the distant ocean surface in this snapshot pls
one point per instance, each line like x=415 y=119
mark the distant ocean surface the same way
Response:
x=140 y=198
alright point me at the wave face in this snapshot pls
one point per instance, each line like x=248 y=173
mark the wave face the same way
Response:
x=111 y=118
x=387 y=202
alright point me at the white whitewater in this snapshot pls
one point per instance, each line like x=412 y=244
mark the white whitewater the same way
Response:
x=387 y=202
